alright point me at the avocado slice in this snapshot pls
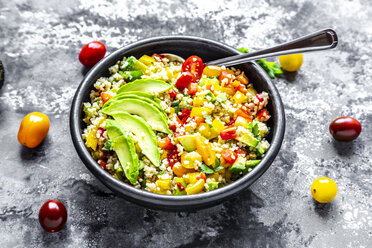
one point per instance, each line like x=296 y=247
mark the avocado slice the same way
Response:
x=145 y=85
x=263 y=146
x=130 y=76
x=188 y=142
x=133 y=64
x=143 y=133
x=123 y=145
x=247 y=138
x=144 y=109
x=239 y=165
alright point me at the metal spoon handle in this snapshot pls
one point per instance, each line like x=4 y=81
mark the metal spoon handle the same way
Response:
x=320 y=40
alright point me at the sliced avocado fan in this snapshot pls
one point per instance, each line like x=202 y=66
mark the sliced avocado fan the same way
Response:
x=146 y=85
x=154 y=117
x=143 y=133
x=124 y=147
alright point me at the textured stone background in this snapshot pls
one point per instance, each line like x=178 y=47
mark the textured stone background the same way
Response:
x=39 y=44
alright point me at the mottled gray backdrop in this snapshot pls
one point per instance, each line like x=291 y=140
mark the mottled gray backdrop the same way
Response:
x=39 y=44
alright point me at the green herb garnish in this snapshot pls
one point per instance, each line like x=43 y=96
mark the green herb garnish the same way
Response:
x=107 y=146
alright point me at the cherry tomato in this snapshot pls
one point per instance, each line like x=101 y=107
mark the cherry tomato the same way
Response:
x=185 y=113
x=105 y=97
x=240 y=151
x=172 y=93
x=184 y=80
x=225 y=78
x=229 y=156
x=228 y=133
x=174 y=123
x=324 y=189
x=102 y=164
x=263 y=115
x=179 y=170
x=259 y=97
x=345 y=128
x=166 y=144
x=193 y=64
x=173 y=157
x=33 y=129
x=193 y=88
x=52 y=216
x=291 y=62
x=91 y=53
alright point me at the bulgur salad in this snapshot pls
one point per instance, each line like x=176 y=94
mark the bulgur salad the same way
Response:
x=175 y=128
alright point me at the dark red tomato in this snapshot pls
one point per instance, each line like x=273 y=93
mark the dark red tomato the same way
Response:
x=229 y=156
x=172 y=157
x=195 y=65
x=202 y=176
x=193 y=88
x=166 y=144
x=345 y=128
x=172 y=93
x=184 y=113
x=100 y=131
x=184 y=80
x=228 y=133
x=52 y=216
x=91 y=53
x=102 y=164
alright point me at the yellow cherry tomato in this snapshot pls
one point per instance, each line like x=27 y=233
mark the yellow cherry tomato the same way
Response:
x=324 y=189
x=291 y=62
x=33 y=130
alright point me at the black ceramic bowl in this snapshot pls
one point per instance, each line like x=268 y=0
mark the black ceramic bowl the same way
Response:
x=184 y=46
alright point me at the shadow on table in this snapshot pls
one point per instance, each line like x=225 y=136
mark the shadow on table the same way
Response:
x=31 y=154
x=324 y=210
x=344 y=149
x=290 y=76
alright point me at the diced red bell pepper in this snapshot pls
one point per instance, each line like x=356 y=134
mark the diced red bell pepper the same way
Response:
x=172 y=93
x=102 y=164
x=184 y=113
x=180 y=186
x=174 y=123
x=228 y=133
x=166 y=144
x=202 y=176
x=240 y=151
x=100 y=131
x=229 y=156
x=173 y=157
x=263 y=115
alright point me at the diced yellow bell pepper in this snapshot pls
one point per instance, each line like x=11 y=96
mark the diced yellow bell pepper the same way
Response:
x=212 y=70
x=217 y=126
x=163 y=184
x=199 y=101
x=239 y=97
x=228 y=90
x=189 y=159
x=241 y=121
x=204 y=148
x=147 y=60
x=92 y=140
x=235 y=83
x=195 y=188
x=172 y=110
x=213 y=85
x=191 y=178
x=206 y=131
x=200 y=111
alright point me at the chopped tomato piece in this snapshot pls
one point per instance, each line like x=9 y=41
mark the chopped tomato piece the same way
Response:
x=231 y=122
x=160 y=56
x=195 y=66
x=100 y=131
x=180 y=186
x=193 y=88
x=229 y=156
x=240 y=151
x=173 y=157
x=243 y=112
x=105 y=97
x=102 y=164
x=259 y=97
x=228 y=133
x=172 y=93
x=166 y=144
x=225 y=78
x=235 y=84
x=174 y=123
x=184 y=113
x=184 y=80
x=263 y=115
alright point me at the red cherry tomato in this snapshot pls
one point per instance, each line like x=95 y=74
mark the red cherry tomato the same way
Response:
x=166 y=144
x=52 y=216
x=240 y=151
x=229 y=156
x=175 y=123
x=228 y=133
x=172 y=93
x=345 y=128
x=185 y=113
x=91 y=53
x=173 y=157
x=263 y=115
x=184 y=80
x=195 y=65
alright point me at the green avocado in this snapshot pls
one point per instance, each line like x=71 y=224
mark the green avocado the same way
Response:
x=263 y=147
x=247 y=138
x=123 y=145
x=143 y=133
x=149 y=112
x=130 y=76
x=145 y=85
x=238 y=166
x=188 y=142
x=133 y=64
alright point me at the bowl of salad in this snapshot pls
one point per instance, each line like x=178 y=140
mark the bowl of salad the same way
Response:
x=176 y=135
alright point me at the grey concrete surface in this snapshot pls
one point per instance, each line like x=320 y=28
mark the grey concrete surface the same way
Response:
x=39 y=44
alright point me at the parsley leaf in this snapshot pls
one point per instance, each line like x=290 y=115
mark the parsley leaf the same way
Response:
x=207 y=170
x=107 y=145
x=271 y=68
x=255 y=129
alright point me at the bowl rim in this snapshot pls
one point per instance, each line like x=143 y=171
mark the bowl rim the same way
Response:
x=154 y=200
